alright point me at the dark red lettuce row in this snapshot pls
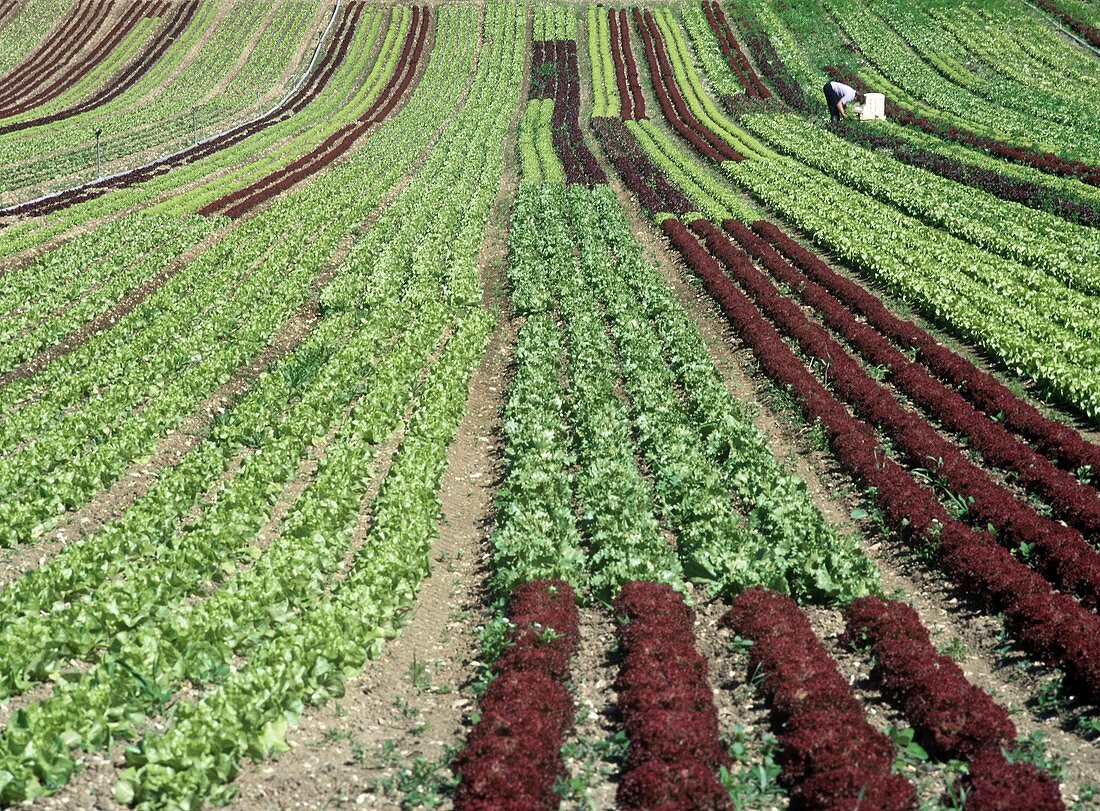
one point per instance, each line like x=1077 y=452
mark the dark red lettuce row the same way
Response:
x=952 y=717
x=1071 y=500
x=631 y=100
x=831 y=757
x=769 y=62
x=631 y=67
x=512 y=757
x=654 y=191
x=994 y=784
x=63 y=78
x=673 y=105
x=240 y=202
x=666 y=705
x=554 y=75
x=731 y=50
x=626 y=98
x=1043 y=161
x=342 y=39
x=981 y=388
x=1060 y=552
x=1026 y=193
x=1078 y=26
x=55 y=53
x=1052 y=627
x=545 y=629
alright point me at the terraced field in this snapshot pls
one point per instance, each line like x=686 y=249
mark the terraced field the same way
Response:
x=503 y=405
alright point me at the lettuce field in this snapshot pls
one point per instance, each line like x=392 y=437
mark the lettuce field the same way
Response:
x=515 y=405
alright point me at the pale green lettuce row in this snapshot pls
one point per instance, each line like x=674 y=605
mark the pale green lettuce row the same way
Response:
x=175 y=378
x=1069 y=254
x=996 y=37
x=247 y=714
x=945 y=278
x=552 y=22
x=526 y=152
x=538 y=161
x=595 y=61
x=786 y=543
x=705 y=45
x=88 y=289
x=700 y=103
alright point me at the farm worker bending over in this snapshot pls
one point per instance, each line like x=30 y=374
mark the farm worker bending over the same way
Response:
x=837 y=95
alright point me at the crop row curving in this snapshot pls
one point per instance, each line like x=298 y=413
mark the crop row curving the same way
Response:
x=1044 y=161
x=626 y=69
x=996 y=400
x=1063 y=251
x=310 y=89
x=55 y=53
x=769 y=62
x=127 y=78
x=655 y=192
x=244 y=200
x=1071 y=500
x=1013 y=189
x=1031 y=323
x=675 y=108
x=1058 y=551
x=1081 y=27
x=731 y=50
x=66 y=77
x=281 y=606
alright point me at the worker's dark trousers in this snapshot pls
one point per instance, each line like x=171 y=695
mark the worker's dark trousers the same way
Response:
x=831 y=99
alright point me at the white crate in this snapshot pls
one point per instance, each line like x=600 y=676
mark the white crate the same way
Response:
x=874 y=106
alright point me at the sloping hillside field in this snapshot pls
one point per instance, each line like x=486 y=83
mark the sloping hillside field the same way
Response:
x=509 y=406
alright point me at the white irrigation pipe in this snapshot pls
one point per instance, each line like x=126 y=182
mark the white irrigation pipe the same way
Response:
x=164 y=158
x=1057 y=24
